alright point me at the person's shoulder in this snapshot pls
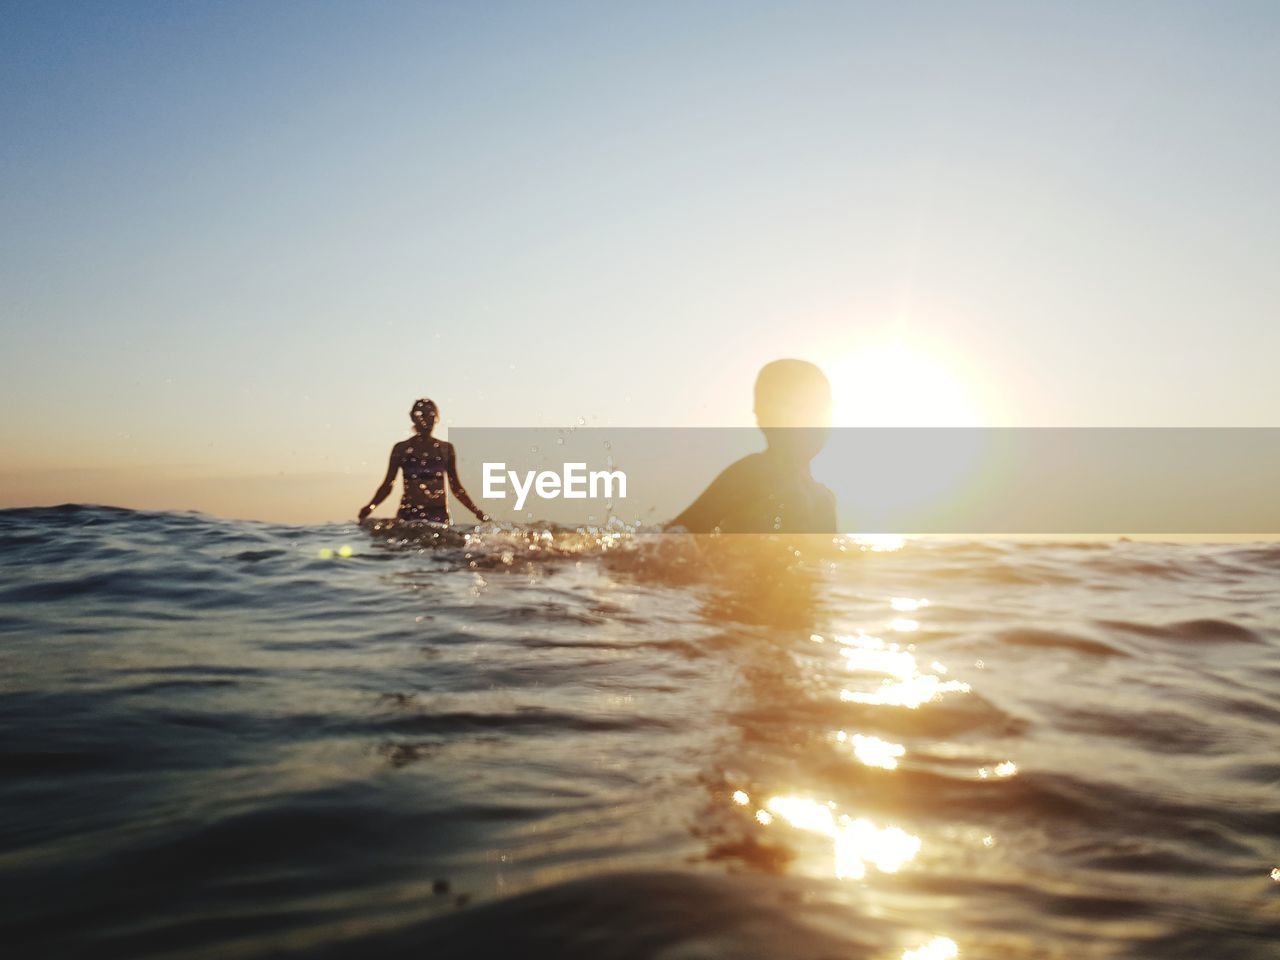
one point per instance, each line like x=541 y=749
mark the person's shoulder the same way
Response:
x=751 y=465
x=822 y=490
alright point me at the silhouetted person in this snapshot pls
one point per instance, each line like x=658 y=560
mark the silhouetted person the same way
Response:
x=425 y=462
x=775 y=490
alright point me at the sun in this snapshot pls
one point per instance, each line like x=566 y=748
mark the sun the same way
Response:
x=900 y=384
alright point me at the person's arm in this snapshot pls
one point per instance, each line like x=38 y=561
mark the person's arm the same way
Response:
x=459 y=491
x=384 y=491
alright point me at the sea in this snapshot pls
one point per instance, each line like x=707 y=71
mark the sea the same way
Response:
x=235 y=739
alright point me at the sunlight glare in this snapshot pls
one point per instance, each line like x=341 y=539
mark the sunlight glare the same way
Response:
x=887 y=659
x=862 y=842
x=939 y=948
x=857 y=842
x=911 y=693
x=908 y=688
x=875 y=752
x=879 y=542
x=900 y=384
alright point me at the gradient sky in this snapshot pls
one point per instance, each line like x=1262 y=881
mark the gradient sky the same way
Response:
x=238 y=239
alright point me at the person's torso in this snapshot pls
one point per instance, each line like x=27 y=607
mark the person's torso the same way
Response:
x=780 y=498
x=424 y=463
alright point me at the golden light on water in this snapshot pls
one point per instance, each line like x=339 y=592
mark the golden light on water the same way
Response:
x=804 y=814
x=939 y=948
x=861 y=842
x=879 y=542
x=907 y=604
x=873 y=655
x=740 y=798
x=873 y=751
x=907 y=686
x=906 y=693
x=1006 y=768
x=856 y=843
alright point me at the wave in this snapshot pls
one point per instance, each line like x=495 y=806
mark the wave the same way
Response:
x=643 y=916
x=234 y=738
x=1202 y=630
x=1052 y=639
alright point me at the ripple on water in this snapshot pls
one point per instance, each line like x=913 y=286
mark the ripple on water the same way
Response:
x=242 y=739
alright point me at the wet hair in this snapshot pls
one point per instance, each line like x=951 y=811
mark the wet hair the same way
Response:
x=792 y=393
x=421 y=407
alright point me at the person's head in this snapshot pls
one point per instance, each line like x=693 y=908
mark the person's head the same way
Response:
x=424 y=416
x=793 y=394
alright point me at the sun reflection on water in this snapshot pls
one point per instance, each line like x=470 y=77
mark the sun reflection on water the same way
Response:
x=804 y=814
x=861 y=842
x=1006 y=768
x=907 y=693
x=873 y=751
x=878 y=657
x=879 y=542
x=856 y=843
x=939 y=948
x=907 y=686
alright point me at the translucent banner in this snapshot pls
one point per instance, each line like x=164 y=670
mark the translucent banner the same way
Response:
x=906 y=481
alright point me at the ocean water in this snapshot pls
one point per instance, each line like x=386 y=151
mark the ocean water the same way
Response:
x=231 y=739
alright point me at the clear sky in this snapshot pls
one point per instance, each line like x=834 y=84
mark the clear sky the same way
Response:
x=238 y=239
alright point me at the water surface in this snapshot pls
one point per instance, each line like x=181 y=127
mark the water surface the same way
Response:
x=231 y=739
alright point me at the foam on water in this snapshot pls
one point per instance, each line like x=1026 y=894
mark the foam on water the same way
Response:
x=239 y=739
